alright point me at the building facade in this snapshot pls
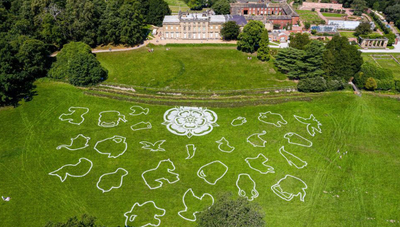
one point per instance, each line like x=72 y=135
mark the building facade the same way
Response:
x=187 y=25
x=275 y=13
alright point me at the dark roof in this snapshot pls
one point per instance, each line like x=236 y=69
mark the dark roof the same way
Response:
x=240 y=20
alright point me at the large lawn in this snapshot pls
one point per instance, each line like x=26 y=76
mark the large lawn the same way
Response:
x=352 y=171
x=309 y=16
x=333 y=15
x=185 y=67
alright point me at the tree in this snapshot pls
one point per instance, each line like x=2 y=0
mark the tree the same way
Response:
x=376 y=6
x=22 y=60
x=195 y=4
x=299 y=40
x=157 y=11
x=85 y=221
x=230 y=30
x=393 y=14
x=371 y=84
x=307 y=25
x=341 y=60
x=228 y=212
x=363 y=29
x=263 y=52
x=132 y=27
x=250 y=37
x=85 y=70
x=221 y=7
x=32 y=56
x=301 y=64
x=78 y=65
x=359 y=6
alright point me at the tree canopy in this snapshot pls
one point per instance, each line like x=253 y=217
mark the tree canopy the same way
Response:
x=263 y=52
x=230 y=30
x=363 y=29
x=250 y=37
x=228 y=212
x=221 y=7
x=299 y=40
x=76 y=64
x=341 y=60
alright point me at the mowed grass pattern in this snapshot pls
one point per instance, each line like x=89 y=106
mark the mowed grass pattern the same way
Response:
x=357 y=189
x=188 y=68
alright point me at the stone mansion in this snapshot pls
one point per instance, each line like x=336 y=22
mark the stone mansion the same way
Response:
x=203 y=25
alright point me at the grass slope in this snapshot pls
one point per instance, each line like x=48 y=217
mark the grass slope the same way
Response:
x=185 y=67
x=359 y=189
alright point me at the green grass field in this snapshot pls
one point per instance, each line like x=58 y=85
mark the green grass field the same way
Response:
x=351 y=173
x=309 y=16
x=189 y=68
x=332 y=15
x=176 y=5
x=347 y=34
x=385 y=63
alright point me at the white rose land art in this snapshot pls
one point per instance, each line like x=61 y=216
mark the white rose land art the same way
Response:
x=190 y=121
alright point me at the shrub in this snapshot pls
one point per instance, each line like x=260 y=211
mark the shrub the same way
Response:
x=371 y=84
x=371 y=70
x=335 y=85
x=360 y=79
x=397 y=85
x=385 y=85
x=313 y=32
x=313 y=9
x=307 y=25
x=316 y=84
x=322 y=10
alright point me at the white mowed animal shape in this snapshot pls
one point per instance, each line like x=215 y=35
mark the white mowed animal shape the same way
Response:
x=223 y=145
x=274 y=119
x=145 y=214
x=75 y=115
x=113 y=147
x=239 y=121
x=313 y=125
x=292 y=159
x=77 y=143
x=289 y=187
x=259 y=164
x=113 y=180
x=246 y=186
x=79 y=169
x=212 y=172
x=296 y=139
x=163 y=172
x=141 y=126
x=191 y=150
x=256 y=139
x=193 y=202
x=153 y=146
x=138 y=110
x=110 y=118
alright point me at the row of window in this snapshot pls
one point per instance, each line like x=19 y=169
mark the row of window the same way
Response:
x=191 y=35
x=189 y=27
